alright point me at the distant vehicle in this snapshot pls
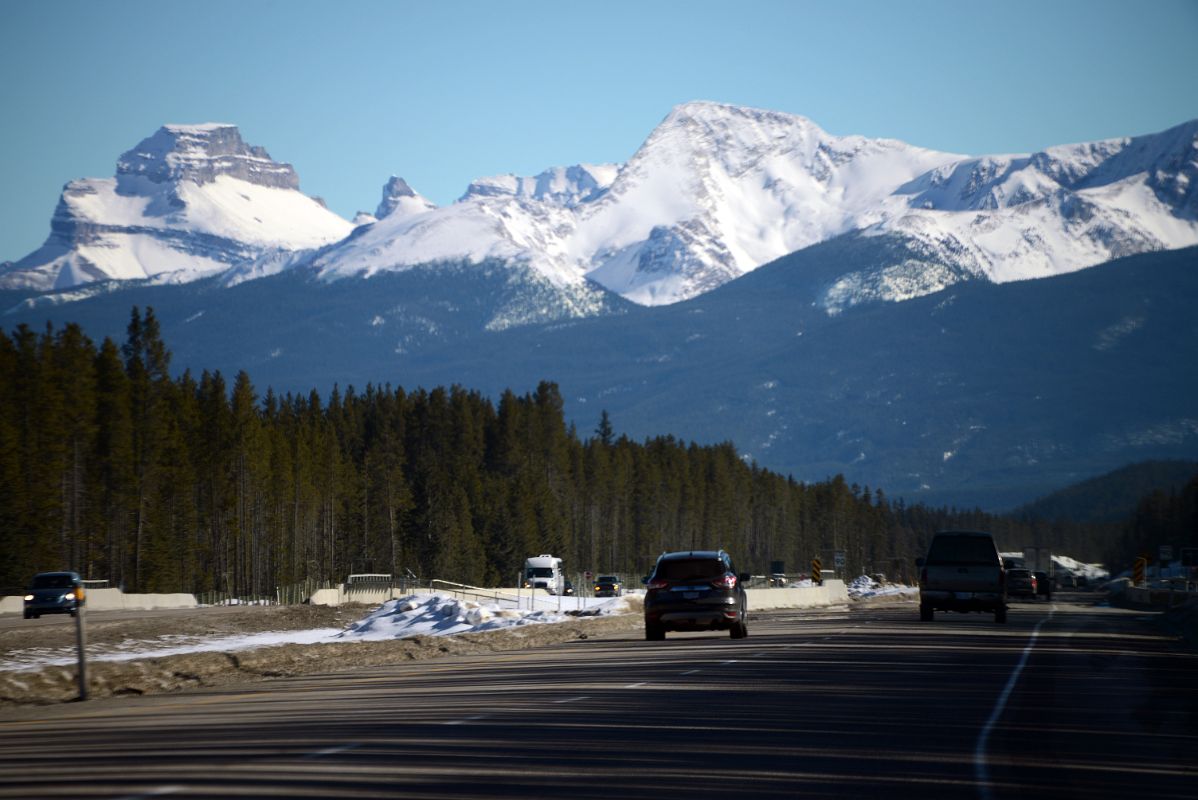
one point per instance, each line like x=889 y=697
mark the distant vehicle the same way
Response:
x=54 y=593
x=569 y=589
x=1021 y=583
x=608 y=586
x=1043 y=584
x=962 y=572
x=1038 y=559
x=544 y=572
x=696 y=590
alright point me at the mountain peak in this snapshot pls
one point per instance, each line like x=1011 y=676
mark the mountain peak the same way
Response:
x=201 y=153
x=399 y=196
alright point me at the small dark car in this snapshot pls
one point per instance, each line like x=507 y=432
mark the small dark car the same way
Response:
x=569 y=589
x=53 y=593
x=696 y=590
x=1021 y=583
x=608 y=586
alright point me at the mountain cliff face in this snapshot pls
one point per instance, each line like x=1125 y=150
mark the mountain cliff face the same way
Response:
x=187 y=202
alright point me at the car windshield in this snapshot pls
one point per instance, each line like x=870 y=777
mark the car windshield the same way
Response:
x=52 y=582
x=606 y=579
x=685 y=569
x=1019 y=573
x=963 y=550
x=540 y=572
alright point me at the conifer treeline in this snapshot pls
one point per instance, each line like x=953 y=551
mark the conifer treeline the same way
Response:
x=111 y=467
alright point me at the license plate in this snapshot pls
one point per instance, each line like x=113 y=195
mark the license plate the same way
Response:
x=690 y=595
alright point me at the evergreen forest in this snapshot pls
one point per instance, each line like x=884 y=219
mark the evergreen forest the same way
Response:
x=112 y=466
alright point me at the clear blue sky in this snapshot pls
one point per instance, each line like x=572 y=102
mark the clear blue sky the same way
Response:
x=444 y=92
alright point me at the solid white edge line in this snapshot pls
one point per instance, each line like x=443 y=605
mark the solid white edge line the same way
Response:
x=981 y=769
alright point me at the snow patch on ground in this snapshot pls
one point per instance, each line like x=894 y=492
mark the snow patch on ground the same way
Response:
x=865 y=586
x=442 y=615
x=417 y=615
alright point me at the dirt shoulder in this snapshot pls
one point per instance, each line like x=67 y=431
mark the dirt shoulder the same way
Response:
x=57 y=684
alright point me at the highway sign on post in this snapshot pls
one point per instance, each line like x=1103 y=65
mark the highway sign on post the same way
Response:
x=838 y=561
x=1166 y=553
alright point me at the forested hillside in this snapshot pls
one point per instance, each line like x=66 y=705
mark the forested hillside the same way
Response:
x=112 y=466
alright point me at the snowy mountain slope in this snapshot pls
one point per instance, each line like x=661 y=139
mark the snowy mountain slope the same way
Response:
x=1009 y=218
x=714 y=192
x=717 y=190
x=190 y=200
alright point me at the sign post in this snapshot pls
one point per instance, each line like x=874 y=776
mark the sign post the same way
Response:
x=815 y=576
x=81 y=640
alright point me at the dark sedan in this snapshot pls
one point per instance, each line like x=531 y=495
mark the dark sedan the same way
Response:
x=53 y=593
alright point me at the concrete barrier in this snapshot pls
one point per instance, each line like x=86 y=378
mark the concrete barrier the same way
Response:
x=112 y=600
x=832 y=593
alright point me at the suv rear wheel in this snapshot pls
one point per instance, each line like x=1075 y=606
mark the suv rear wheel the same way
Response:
x=925 y=613
x=739 y=630
x=1000 y=615
x=654 y=632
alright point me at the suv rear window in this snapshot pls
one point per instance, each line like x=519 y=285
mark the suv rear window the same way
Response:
x=52 y=582
x=685 y=569
x=962 y=549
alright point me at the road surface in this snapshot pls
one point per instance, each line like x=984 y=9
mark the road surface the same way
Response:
x=1064 y=701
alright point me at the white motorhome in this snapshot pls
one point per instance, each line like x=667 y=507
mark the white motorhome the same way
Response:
x=544 y=572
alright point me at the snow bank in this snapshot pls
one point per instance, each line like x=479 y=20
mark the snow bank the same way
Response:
x=865 y=586
x=442 y=615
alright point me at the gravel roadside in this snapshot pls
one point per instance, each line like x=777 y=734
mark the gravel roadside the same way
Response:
x=57 y=684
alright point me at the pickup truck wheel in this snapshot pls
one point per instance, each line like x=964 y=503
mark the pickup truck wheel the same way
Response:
x=739 y=631
x=654 y=633
x=925 y=613
x=1000 y=615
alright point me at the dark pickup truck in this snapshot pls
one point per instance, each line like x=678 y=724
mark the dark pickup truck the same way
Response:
x=962 y=572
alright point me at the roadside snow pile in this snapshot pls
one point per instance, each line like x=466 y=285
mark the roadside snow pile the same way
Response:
x=1092 y=572
x=445 y=615
x=865 y=586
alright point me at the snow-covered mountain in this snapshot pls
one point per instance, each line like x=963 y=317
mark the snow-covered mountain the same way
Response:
x=715 y=192
x=187 y=202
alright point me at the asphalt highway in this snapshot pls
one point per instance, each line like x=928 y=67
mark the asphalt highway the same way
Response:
x=1064 y=701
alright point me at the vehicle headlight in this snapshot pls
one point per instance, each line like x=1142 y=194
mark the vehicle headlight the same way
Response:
x=28 y=597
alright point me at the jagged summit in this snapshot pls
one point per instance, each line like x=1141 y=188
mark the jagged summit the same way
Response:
x=188 y=201
x=398 y=196
x=201 y=153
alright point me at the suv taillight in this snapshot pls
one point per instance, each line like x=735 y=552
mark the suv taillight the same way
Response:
x=657 y=583
x=725 y=581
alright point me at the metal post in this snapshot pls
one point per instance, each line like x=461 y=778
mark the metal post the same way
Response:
x=81 y=644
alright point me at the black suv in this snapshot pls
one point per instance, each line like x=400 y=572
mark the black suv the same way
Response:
x=696 y=590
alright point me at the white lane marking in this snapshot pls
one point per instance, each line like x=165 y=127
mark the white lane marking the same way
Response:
x=475 y=718
x=635 y=685
x=726 y=663
x=330 y=751
x=980 y=767
x=691 y=672
x=572 y=699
